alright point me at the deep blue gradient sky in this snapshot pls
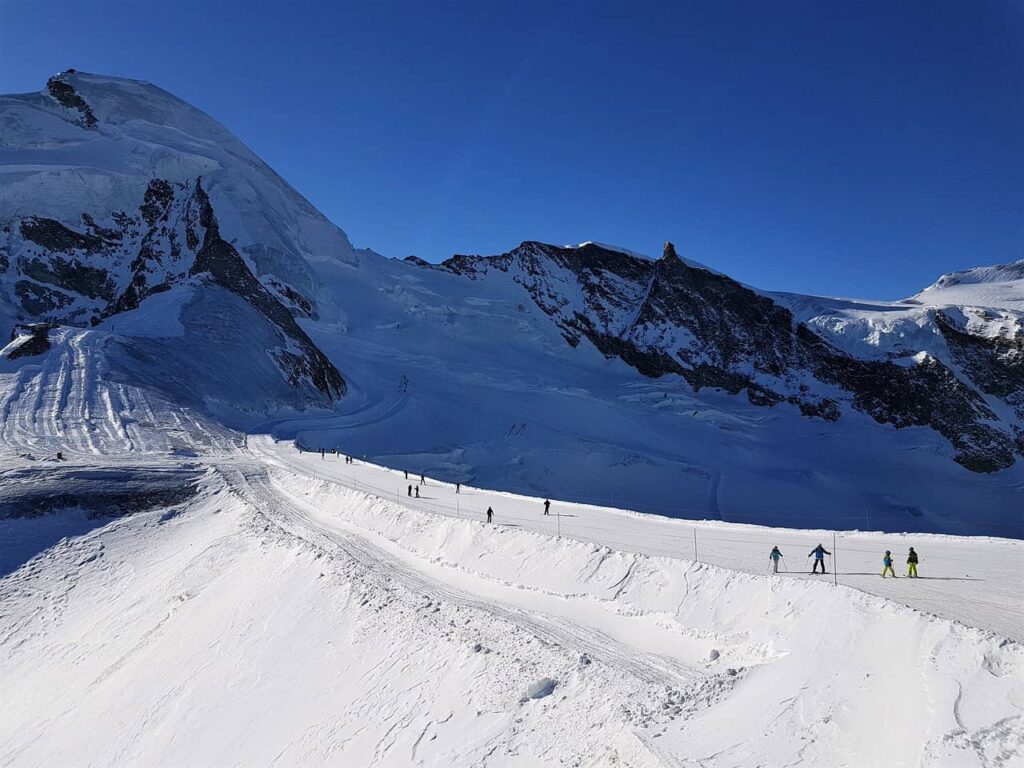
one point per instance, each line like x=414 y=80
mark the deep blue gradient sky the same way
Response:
x=844 y=148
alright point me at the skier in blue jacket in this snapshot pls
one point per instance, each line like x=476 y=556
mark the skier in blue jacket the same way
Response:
x=775 y=555
x=887 y=564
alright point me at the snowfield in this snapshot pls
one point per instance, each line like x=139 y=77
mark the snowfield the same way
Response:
x=298 y=610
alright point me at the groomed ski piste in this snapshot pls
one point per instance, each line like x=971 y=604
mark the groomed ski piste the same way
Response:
x=239 y=601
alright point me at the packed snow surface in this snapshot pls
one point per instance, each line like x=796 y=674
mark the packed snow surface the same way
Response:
x=295 y=609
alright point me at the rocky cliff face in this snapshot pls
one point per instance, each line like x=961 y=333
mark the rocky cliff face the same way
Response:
x=672 y=317
x=80 y=276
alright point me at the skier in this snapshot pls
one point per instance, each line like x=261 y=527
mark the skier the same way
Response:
x=490 y=514
x=774 y=556
x=887 y=562
x=911 y=564
x=547 y=506
x=417 y=491
x=423 y=480
x=407 y=474
x=819 y=553
x=410 y=489
x=321 y=453
x=457 y=487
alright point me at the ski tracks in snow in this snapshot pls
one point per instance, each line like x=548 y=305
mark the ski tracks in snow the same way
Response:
x=256 y=489
x=67 y=401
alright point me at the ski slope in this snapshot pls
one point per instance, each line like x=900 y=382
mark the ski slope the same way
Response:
x=69 y=400
x=975 y=580
x=297 y=610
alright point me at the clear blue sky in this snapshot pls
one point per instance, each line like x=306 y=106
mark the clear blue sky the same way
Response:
x=852 y=148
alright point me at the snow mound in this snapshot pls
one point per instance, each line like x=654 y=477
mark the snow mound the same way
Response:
x=539 y=689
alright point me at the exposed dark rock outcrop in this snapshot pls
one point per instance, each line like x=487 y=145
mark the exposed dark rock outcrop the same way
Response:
x=70 y=275
x=38 y=343
x=291 y=297
x=995 y=365
x=54 y=236
x=38 y=300
x=65 y=95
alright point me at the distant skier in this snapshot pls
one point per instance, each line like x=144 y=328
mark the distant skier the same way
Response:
x=458 y=487
x=887 y=562
x=547 y=506
x=819 y=553
x=407 y=474
x=410 y=489
x=912 y=564
x=321 y=453
x=774 y=556
x=490 y=514
x=417 y=491
x=423 y=480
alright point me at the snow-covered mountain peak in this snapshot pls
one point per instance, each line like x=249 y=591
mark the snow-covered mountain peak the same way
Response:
x=113 y=191
x=92 y=143
x=1000 y=286
x=998 y=273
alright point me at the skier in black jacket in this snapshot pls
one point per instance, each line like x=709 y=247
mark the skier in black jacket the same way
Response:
x=912 y=563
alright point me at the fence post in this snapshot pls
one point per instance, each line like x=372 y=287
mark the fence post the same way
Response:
x=835 y=562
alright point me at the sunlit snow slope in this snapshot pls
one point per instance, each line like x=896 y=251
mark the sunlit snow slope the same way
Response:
x=277 y=614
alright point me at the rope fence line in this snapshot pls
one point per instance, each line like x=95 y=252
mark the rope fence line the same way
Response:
x=701 y=536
